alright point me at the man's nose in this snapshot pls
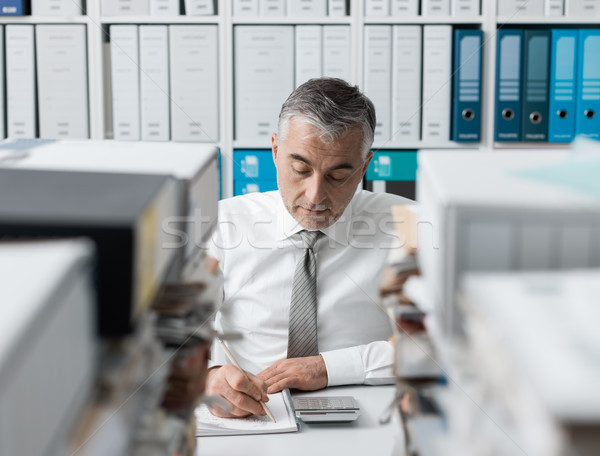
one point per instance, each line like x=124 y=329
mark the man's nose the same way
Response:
x=315 y=191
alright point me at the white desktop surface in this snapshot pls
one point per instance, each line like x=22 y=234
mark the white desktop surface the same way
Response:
x=365 y=436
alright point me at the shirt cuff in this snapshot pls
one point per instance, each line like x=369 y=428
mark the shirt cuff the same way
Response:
x=344 y=366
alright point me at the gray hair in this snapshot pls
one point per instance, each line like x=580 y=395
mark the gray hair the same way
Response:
x=331 y=105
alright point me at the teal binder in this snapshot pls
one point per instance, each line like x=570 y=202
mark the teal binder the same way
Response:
x=563 y=79
x=536 y=75
x=588 y=84
x=393 y=165
x=466 y=85
x=508 y=85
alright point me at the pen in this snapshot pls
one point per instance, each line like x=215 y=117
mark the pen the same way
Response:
x=235 y=363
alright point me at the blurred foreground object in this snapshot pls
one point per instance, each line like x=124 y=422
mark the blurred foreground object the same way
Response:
x=48 y=349
x=532 y=347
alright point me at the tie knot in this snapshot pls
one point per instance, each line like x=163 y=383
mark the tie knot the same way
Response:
x=310 y=238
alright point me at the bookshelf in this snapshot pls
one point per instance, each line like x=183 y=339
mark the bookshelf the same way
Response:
x=488 y=21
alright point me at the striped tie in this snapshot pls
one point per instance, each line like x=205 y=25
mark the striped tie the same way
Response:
x=302 y=339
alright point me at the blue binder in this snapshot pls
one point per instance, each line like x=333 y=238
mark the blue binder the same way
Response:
x=588 y=84
x=253 y=164
x=245 y=186
x=563 y=79
x=12 y=8
x=466 y=105
x=536 y=78
x=508 y=85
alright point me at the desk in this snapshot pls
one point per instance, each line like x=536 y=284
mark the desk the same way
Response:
x=365 y=436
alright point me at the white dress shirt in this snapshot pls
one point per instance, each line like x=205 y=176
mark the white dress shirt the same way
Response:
x=258 y=245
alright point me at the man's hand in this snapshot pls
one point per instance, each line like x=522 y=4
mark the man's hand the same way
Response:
x=242 y=393
x=306 y=374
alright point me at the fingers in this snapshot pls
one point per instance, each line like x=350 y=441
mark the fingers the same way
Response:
x=309 y=374
x=242 y=393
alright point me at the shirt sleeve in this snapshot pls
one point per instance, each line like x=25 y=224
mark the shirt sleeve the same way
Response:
x=371 y=364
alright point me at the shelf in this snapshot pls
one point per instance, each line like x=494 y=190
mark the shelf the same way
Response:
x=45 y=20
x=424 y=20
x=284 y=20
x=241 y=144
x=531 y=145
x=160 y=19
x=547 y=20
x=424 y=145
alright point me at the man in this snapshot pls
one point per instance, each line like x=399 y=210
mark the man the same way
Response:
x=315 y=244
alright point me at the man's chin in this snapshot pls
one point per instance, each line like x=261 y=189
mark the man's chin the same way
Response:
x=315 y=222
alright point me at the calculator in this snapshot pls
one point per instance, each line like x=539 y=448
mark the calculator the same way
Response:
x=314 y=409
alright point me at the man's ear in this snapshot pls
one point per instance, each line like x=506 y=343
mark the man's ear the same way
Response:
x=274 y=147
x=366 y=163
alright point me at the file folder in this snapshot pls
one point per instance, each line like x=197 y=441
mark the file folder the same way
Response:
x=21 y=116
x=588 y=84
x=437 y=87
x=406 y=82
x=508 y=85
x=536 y=75
x=125 y=80
x=62 y=100
x=378 y=76
x=563 y=78
x=466 y=109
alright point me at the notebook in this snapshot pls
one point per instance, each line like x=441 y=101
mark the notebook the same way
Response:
x=279 y=403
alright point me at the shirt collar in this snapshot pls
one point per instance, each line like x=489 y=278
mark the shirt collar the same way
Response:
x=287 y=225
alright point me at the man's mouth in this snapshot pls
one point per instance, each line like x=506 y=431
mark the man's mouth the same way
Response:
x=313 y=212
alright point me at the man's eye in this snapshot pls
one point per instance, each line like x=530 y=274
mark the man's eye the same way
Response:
x=338 y=177
x=302 y=172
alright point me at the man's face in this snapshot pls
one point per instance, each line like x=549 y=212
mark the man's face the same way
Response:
x=316 y=179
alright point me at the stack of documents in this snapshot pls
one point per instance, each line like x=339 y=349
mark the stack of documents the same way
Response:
x=47 y=343
x=534 y=340
x=530 y=210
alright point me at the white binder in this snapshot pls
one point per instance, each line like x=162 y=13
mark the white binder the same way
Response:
x=309 y=52
x=199 y=8
x=20 y=81
x=124 y=60
x=164 y=7
x=464 y=7
x=377 y=8
x=518 y=8
x=378 y=76
x=404 y=8
x=336 y=51
x=406 y=83
x=554 y=7
x=125 y=7
x=154 y=82
x=263 y=79
x=582 y=8
x=272 y=8
x=65 y=8
x=437 y=82
x=435 y=7
x=307 y=8
x=194 y=70
x=245 y=8
x=62 y=81
x=336 y=8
